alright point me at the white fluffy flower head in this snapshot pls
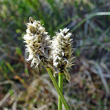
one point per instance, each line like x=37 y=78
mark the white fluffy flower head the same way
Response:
x=37 y=42
x=62 y=52
x=55 y=54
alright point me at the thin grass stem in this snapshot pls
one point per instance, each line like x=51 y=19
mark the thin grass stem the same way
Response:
x=89 y=17
x=60 y=84
x=57 y=88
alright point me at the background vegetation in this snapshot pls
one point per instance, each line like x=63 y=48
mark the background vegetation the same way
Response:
x=25 y=88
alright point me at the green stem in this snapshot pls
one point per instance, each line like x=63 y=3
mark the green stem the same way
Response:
x=60 y=84
x=57 y=88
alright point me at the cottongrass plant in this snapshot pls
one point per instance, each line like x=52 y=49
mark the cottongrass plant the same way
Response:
x=62 y=57
x=55 y=55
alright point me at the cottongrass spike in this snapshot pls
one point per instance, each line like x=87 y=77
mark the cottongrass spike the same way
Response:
x=62 y=52
x=37 y=43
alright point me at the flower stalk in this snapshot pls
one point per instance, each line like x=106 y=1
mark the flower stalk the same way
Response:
x=60 y=84
x=58 y=89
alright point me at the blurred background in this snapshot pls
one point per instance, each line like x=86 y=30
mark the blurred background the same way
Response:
x=25 y=88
